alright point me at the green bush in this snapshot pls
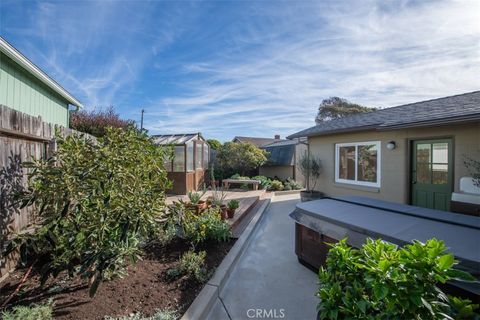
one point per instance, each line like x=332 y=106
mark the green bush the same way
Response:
x=276 y=185
x=291 y=184
x=96 y=203
x=192 y=265
x=204 y=227
x=33 y=312
x=264 y=181
x=159 y=315
x=381 y=281
x=240 y=157
x=233 y=204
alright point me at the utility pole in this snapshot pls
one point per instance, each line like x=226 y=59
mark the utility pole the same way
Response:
x=141 y=121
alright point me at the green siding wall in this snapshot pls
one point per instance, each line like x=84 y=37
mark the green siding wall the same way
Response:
x=21 y=91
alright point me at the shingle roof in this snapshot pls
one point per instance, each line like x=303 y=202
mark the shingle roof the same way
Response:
x=453 y=109
x=176 y=138
x=281 y=155
x=259 y=142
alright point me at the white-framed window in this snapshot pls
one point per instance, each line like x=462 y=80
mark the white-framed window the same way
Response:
x=358 y=163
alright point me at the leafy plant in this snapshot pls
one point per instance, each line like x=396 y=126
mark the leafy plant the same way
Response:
x=33 y=312
x=240 y=157
x=381 y=281
x=264 y=181
x=97 y=121
x=192 y=265
x=311 y=168
x=96 y=203
x=276 y=185
x=463 y=308
x=291 y=184
x=203 y=227
x=195 y=197
x=214 y=144
x=159 y=315
x=233 y=204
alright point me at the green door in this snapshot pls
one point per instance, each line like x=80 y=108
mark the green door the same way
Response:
x=432 y=173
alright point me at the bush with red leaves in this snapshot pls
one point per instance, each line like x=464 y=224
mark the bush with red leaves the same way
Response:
x=96 y=121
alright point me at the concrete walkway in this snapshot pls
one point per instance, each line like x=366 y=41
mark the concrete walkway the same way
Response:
x=268 y=282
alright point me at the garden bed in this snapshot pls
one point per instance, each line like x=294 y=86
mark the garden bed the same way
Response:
x=145 y=289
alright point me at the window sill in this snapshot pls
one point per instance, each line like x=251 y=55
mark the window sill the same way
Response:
x=356 y=187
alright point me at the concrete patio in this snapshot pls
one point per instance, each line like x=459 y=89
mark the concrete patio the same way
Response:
x=268 y=282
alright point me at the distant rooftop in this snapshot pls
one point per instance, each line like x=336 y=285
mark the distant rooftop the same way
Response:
x=259 y=142
x=180 y=138
x=454 y=109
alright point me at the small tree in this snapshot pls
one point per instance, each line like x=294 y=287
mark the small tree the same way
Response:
x=311 y=168
x=214 y=144
x=96 y=203
x=240 y=157
x=335 y=107
x=96 y=122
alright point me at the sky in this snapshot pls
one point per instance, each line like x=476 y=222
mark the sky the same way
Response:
x=247 y=68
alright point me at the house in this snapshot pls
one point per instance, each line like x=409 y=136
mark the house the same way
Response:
x=411 y=154
x=190 y=162
x=25 y=87
x=259 y=142
x=284 y=160
x=283 y=156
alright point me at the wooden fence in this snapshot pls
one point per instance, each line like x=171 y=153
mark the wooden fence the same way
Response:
x=22 y=137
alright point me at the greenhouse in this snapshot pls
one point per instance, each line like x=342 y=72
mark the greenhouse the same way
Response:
x=190 y=162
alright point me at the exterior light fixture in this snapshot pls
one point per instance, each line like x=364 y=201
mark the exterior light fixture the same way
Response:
x=391 y=145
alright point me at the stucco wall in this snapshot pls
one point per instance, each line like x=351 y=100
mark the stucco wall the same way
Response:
x=23 y=92
x=395 y=163
x=283 y=172
x=300 y=149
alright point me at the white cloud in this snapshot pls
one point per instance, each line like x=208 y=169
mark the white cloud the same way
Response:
x=374 y=53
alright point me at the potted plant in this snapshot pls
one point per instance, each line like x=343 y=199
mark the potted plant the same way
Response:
x=196 y=200
x=218 y=195
x=311 y=168
x=232 y=206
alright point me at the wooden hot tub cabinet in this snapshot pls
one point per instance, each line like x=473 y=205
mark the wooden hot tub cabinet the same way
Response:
x=320 y=222
x=311 y=247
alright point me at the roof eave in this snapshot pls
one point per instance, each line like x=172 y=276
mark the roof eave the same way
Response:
x=19 y=58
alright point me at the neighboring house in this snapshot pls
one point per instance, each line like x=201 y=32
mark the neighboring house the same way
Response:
x=283 y=158
x=259 y=142
x=25 y=87
x=407 y=154
x=190 y=162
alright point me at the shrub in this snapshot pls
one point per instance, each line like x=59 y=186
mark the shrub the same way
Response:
x=264 y=181
x=159 y=315
x=233 y=204
x=291 y=184
x=204 y=227
x=192 y=265
x=96 y=203
x=195 y=197
x=381 y=281
x=96 y=122
x=276 y=185
x=240 y=157
x=33 y=312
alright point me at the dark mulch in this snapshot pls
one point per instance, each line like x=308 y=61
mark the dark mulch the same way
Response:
x=144 y=289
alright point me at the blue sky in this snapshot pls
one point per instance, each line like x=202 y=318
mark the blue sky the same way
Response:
x=253 y=68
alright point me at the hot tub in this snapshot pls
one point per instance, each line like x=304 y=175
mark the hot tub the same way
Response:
x=359 y=218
